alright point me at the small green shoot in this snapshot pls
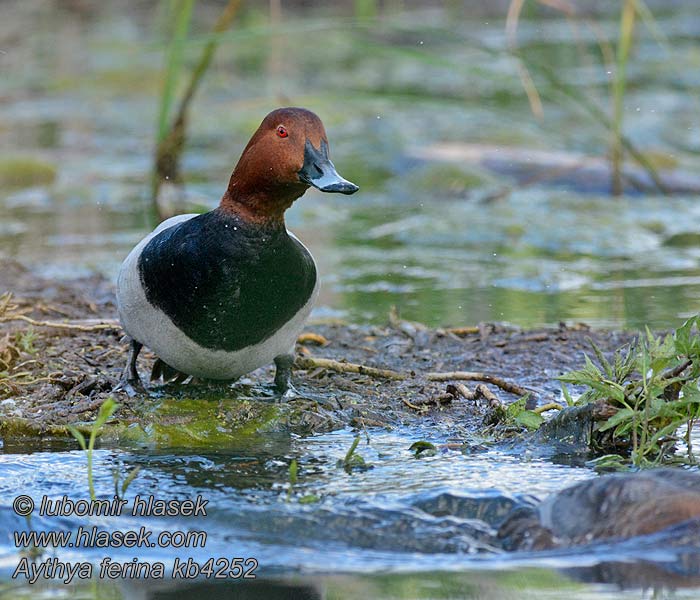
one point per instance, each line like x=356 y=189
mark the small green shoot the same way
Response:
x=25 y=340
x=107 y=409
x=422 y=448
x=120 y=486
x=293 y=478
x=353 y=461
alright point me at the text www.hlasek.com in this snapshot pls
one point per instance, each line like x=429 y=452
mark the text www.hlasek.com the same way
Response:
x=95 y=537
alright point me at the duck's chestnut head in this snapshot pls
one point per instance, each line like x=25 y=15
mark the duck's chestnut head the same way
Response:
x=287 y=154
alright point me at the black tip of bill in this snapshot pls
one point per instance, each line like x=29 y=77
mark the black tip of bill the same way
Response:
x=319 y=171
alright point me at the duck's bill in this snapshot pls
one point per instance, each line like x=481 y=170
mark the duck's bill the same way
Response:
x=319 y=171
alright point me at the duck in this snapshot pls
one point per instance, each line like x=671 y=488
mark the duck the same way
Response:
x=219 y=294
x=615 y=506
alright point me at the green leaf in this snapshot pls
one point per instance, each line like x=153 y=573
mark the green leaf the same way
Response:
x=419 y=447
x=352 y=449
x=607 y=367
x=684 y=342
x=129 y=478
x=78 y=436
x=567 y=395
x=670 y=429
x=515 y=408
x=608 y=461
x=107 y=409
x=529 y=419
x=621 y=415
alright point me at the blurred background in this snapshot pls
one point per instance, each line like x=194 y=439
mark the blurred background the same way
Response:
x=527 y=161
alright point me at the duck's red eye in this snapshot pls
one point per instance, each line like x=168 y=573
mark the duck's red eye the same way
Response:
x=282 y=131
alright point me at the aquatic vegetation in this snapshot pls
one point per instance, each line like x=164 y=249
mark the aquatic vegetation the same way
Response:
x=107 y=409
x=645 y=393
x=627 y=19
x=516 y=413
x=615 y=62
x=422 y=448
x=121 y=484
x=18 y=172
x=172 y=129
x=353 y=461
x=293 y=478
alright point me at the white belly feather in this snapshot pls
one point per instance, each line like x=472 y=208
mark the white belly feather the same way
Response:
x=153 y=328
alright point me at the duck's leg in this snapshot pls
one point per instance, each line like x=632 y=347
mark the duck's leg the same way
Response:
x=130 y=381
x=283 y=376
x=283 y=383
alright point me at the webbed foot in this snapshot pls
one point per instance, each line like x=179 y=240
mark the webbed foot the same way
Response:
x=162 y=370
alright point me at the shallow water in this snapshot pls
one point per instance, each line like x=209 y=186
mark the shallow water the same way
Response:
x=364 y=525
x=420 y=234
x=80 y=95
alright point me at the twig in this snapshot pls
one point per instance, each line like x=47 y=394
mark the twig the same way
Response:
x=103 y=324
x=305 y=362
x=634 y=387
x=459 y=389
x=421 y=408
x=483 y=392
x=506 y=386
x=549 y=406
x=312 y=338
x=676 y=371
x=470 y=329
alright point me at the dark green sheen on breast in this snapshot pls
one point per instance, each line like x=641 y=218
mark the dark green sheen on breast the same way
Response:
x=224 y=282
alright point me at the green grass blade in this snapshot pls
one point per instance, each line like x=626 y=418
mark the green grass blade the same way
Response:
x=175 y=62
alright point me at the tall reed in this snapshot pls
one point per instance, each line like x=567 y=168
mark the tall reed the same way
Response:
x=624 y=42
x=172 y=125
x=611 y=120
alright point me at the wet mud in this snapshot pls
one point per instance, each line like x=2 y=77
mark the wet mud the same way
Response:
x=64 y=351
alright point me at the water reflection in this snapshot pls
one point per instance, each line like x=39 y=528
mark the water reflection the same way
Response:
x=420 y=235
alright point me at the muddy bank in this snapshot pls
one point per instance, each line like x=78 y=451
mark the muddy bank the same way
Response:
x=63 y=352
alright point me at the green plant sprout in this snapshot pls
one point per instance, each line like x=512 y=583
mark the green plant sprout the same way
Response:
x=107 y=409
x=651 y=389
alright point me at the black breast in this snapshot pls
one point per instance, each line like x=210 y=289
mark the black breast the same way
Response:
x=225 y=283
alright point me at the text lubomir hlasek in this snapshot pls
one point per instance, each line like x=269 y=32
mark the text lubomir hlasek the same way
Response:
x=146 y=506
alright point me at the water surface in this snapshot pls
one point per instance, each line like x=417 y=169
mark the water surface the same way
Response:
x=448 y=243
